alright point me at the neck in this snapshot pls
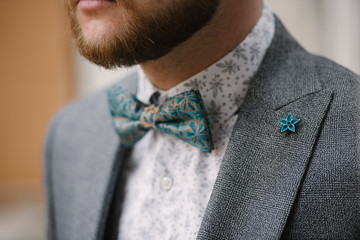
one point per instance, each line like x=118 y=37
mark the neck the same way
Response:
x=230 y=25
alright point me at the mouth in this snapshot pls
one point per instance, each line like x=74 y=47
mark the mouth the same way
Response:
x=77 y=1
x=90 y=5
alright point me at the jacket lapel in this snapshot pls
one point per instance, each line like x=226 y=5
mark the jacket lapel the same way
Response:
x=262 y=169
x=107 y=220
x=81 y=209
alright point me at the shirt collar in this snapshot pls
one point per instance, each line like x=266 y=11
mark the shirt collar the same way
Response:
x=224 y=84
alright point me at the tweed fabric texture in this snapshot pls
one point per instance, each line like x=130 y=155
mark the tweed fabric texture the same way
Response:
x=302 y=185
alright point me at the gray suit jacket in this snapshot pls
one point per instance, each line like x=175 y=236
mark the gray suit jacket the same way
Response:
x=271 y=185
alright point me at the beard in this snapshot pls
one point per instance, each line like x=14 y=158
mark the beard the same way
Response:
x=144 y=38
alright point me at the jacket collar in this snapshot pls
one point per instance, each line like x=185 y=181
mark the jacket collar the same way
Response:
x=262 y=169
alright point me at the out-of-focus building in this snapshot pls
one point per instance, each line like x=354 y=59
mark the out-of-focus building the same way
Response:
x=36 y=67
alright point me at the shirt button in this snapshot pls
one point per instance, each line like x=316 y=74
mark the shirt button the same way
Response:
x=166 y=183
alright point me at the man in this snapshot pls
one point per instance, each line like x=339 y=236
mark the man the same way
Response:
x=236 y=132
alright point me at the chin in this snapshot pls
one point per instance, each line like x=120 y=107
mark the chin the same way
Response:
x=96 y=30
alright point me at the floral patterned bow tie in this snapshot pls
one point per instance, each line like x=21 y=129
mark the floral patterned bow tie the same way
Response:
x=182 y=116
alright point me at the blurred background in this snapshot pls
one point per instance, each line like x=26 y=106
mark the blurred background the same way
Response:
x=40 y=71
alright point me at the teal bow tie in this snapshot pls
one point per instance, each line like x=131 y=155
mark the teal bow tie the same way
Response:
x=182 y=116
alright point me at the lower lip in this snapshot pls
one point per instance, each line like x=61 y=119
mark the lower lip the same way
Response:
x=91 y=5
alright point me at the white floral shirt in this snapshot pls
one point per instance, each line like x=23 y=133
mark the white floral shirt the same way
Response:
x=168 y=181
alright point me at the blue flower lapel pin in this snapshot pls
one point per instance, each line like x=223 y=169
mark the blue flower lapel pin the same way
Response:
x=288 y=123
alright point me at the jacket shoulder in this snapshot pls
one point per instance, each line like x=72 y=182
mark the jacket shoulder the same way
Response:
x=334 y=75
x=75 y=117
x=83 y=116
